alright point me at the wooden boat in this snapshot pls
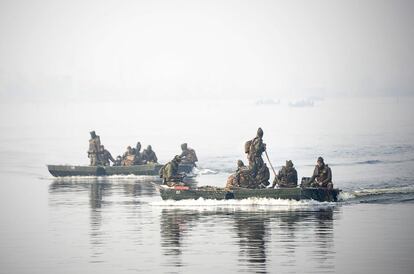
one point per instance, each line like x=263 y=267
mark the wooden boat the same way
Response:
x=185 y=192
x=147 y=169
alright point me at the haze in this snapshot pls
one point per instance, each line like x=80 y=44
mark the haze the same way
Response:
x=174 y=50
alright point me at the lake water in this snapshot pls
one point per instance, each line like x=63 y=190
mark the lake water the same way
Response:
x=121 y=225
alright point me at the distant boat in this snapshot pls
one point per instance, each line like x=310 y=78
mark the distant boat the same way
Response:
x=215 y=193
x=302 y=103
x=147 y=169
x=267 y=102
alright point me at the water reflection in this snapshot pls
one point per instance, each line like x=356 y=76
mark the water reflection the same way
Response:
x=252 y=232
x=174 y=225
x=264 y=239
x=101 y=198
x=253 y=240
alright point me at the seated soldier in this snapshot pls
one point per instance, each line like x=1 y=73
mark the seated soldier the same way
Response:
x=322 y=175
x=128 y=158
x=148 y=156
x=241 y=178
x=106 y=156
x=188 y=155
x=287 y=176
x=169 y=172
x=118 y=161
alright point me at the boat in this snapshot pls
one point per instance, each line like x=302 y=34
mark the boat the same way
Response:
x=216 y=193
x=146 y=169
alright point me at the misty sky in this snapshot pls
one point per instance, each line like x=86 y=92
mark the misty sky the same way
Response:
x=84 y=50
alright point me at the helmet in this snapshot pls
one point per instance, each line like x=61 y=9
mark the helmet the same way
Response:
x=260 y=132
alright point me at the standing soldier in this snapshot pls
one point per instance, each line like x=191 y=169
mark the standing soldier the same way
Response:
x=254 y=149
x=188 y=155
x=94 y=148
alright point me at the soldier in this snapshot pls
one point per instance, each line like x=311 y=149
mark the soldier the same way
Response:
x=188 y=155
x=254 y=149
x=128 y=158
x=262 y=177
x=287 y=176
x=149 y=155
x=118 y=161
x=106 y=156
x=138 y=155
x=94 y=146
x=241 y=178
x=169 y=172
x=322 y=175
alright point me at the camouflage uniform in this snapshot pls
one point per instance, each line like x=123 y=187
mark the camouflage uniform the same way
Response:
x=262 y=177
x=149 y=155
x=106 y=156
x=188 y=155
x=139 y=159
x=169 y=172
x=128 y=158
x=241 y=178
x=287 y=176
x=322 y=175
x=258 y=168
x=94 y=149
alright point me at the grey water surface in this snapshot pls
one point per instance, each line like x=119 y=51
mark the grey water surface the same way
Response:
x=121 y=225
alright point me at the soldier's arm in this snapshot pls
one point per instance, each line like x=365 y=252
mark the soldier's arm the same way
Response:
x=195 y=156
x=329 y=176
x=110 y=157
x=295 y=175
x=315 y=174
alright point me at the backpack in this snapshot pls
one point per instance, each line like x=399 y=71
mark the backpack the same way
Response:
x=247 y=146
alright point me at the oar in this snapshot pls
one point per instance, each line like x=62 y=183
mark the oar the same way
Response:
x=270 y=163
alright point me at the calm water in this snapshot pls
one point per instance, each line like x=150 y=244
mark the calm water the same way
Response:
x=121 y=225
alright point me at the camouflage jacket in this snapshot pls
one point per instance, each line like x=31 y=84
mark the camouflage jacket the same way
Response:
x=94 y=145
x=288 y=176
x=106 y=156
x=257 y=147
x=322 y=175
x=149 y=156
x=169 y=170
x=189 y=156
x=243 y=178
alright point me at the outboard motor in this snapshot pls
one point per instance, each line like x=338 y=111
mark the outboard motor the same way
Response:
x=305 y=182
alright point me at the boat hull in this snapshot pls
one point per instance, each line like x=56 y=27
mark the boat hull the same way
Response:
x=148 y=169
x=318 y=194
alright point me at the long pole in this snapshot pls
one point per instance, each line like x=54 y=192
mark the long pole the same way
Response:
x=270 y=163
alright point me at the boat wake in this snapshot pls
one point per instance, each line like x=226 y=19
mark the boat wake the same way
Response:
x=383 y=195
x=253 y=204
x=204 y=171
